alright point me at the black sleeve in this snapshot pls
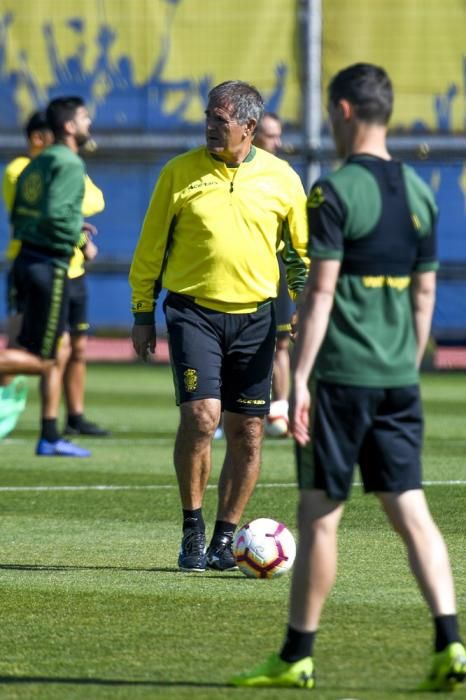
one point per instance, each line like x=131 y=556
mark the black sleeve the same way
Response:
x=326 y=216
x=427 y=251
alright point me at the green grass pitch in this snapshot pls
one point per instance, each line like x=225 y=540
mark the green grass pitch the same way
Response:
x=92 y=603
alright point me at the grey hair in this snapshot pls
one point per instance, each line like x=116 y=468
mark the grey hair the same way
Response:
x=245 y=99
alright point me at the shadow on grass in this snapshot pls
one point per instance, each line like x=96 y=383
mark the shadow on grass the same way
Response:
x=125 y=682
x=57 y=680
x=151 y=569
x=114 y=437
x=77 y=567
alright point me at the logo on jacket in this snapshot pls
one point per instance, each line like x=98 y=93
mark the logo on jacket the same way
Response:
x=32 y=188
x=316 y=198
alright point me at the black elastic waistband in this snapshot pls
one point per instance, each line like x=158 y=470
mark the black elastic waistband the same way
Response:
x=44 y=251
x=186 y=298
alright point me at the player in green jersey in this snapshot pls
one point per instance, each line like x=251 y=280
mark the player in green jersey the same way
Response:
x=364 y=322
x=47 y=220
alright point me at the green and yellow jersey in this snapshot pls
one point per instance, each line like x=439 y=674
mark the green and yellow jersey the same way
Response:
x=93 y=203
x=379 y=218
x=212 y=232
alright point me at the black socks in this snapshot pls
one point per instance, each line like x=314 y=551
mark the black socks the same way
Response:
x=193 y=519
x=49 y=430
x=74 y=420
x=446 y=631
x=223 y=528
x=297 y=646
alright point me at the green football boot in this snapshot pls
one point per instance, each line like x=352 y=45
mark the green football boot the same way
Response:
x=448 y=669
x=279 y=674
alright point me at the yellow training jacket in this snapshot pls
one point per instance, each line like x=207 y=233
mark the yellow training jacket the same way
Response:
x=212 y=232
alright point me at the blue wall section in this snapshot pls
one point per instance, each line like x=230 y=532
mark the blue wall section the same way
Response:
x=127 y=187
x=449 y=184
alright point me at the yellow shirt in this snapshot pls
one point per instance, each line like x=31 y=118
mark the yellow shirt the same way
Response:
x=93 y=203
x=12 y=172
x=212 y=232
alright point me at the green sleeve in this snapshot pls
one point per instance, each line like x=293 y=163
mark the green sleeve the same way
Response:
x=65 y=198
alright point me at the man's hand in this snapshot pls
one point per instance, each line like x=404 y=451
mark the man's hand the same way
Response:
x=300 y=404
x=90 y=250
x=144 y=340
x=90 y=229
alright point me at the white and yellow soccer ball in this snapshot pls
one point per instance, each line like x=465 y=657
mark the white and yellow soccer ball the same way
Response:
x=264 y=548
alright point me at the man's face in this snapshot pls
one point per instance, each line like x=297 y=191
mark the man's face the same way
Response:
x=224 y=135
x=269 y=135
x=82 y=125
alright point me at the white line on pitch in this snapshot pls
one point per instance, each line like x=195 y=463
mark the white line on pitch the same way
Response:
x=162 y=487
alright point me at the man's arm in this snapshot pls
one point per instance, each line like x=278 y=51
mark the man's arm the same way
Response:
x=65 y=198
x=313 y=318
x=423 y=299
x=295 y=237
x=147 y=265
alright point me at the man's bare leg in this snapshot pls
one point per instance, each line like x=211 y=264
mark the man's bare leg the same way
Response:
x=241 y=466
x=192 y=457
x=315 y=567
x=409 y=514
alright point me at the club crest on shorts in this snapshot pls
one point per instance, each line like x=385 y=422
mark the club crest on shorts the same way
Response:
x=190 y=379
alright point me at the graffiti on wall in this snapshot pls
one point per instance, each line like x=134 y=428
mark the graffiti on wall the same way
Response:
x=72 y=54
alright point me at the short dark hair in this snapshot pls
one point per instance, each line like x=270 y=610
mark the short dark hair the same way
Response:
x=245 y=99
x=61 y=110
x=36 y=122
x=269 y=115
x=368 y=88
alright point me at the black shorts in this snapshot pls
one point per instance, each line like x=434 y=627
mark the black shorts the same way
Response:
x=379 y=429
x=41 y=288
x=221 y=356
x=76 y=315
x=11 y=294
x=284 y=305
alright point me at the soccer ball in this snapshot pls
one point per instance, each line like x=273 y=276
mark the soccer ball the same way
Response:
x=276 y=426
x=276 y=423
x=264 y=548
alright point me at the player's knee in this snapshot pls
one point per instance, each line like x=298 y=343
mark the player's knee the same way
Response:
x=408 y=513
x=198 y=420
x=78 y=348
x=247 y=429
x=47 y=365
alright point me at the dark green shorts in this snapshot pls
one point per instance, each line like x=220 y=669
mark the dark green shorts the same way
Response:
x=221 y=356
x=379 y=429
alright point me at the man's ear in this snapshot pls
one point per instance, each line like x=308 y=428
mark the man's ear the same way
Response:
x=251 y=125
x=69 y=127
x=346 y=108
